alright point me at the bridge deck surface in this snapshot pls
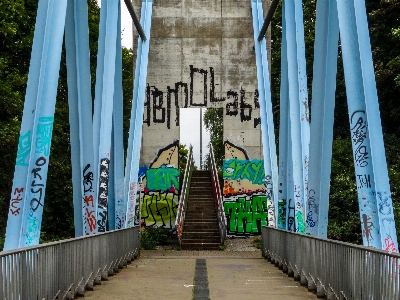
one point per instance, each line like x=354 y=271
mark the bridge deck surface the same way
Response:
x=174 y=274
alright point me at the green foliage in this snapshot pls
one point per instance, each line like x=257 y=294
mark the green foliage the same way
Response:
x=183 y=157
x=214 y=123
x=344 y=218
x=17 y=19
x=153 y=236
x=257 y=242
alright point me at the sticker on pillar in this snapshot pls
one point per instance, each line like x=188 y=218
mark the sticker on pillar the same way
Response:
x=159 y=194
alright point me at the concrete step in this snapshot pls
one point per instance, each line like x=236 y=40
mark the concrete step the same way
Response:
x=200 y=208
x=200 y=237
x=208 y=231
x=200 y=246
x=201 y=240
x=201 y=214
x=206 y=219
x=201 y=198
x=199 y=226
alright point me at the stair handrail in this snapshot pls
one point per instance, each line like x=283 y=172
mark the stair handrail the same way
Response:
x=217 y=196
x=183 y=199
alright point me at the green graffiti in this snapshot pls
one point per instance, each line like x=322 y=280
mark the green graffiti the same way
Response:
x=159 y=209
x=252 y=170
x=246 y=216
x=281 y=214
x=43 y=135
x=162 y=179
x=24 y=148
x=301 y=226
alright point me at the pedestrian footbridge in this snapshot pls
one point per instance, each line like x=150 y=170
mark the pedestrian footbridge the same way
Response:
x=111 y=266
x=205 y=54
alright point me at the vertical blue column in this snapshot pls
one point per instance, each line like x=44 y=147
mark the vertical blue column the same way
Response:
x=322 y=108
x=117 y=206
x=374 y=197
x=267 y=124
x=27 y=135
x=298 y=107
x=27 y=194
x=284 y=135
x=80 y=113
x=135 y=132
x=290 y=207
x=102 y=121
x=54 y=14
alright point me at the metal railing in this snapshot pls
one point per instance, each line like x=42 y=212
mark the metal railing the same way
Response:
x=181 y=212
x=65 y=269
x=217 y=196
x=333 y=269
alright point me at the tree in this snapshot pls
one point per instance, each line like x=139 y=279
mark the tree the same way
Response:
x=214 y=123
x=17 y=22
x=17 y=19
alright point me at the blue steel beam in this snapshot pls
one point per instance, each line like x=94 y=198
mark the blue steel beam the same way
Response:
x=284 y=134
x=298 y=107
x=374 y=196
x=135 y=132
x=39 y=159
x=322 y=108
x=116 y=204
x=290 y=204
x=102 y=120
x=27 y=194
x=267 y=124
x=80 y=110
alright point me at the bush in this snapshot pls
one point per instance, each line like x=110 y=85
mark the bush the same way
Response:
x=153 y=236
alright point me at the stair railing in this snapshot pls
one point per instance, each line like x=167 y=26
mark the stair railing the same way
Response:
x=180 y=216
x=217 y=196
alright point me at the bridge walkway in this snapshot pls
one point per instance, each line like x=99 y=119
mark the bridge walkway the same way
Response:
x=182 y=275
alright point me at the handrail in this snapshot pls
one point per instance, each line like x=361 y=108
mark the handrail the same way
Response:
x=334 y=269
x=217 y=196
x=66 y=268
x=180 y=216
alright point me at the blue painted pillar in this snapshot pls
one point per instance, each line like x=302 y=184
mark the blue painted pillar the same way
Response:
x=267 y=123
x=290 y=207
x=135 y=131
x=374 y=196
x=116 y=204
x=80 y=112
x=322 y=109
x=103 y=110
x=37 y=126
x=284 y=136
x=298 y=106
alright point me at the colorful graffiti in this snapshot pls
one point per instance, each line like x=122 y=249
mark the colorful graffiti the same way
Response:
x=159 y=193
x=245 y=194
x=246 y=214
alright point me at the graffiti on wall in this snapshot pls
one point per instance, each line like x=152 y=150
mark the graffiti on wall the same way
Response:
x=246 y=214
x=160 y=105
x=245 y=200
x=159 y=194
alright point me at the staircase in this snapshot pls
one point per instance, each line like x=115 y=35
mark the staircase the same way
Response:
x=200 y=231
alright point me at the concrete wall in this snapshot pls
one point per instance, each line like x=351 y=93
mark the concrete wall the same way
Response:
x=201 y=55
